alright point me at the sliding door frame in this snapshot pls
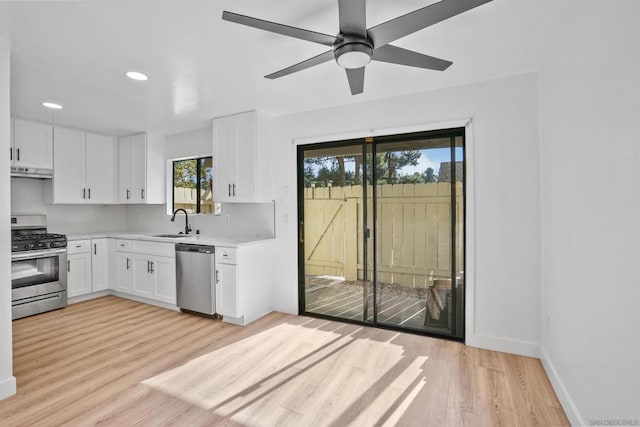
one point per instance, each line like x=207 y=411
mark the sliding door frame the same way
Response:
x=463 y=128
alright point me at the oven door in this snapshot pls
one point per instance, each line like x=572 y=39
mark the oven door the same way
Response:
x=38 y=273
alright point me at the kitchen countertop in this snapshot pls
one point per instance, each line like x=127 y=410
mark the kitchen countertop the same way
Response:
x=196 y=239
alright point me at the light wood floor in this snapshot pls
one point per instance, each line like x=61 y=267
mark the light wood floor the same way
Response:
x=116 y=362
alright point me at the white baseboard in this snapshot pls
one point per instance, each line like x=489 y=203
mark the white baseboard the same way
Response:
x=144 y=300
x=7 y=387
x=561 y=391
x=87 y=297
x=522 y=348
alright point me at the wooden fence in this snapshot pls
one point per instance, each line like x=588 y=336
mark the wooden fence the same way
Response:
x=185 y=198
x=413 y=233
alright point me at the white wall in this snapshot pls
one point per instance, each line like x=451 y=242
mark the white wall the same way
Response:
x=7 y=381
x=506 y=190
x=590 y=151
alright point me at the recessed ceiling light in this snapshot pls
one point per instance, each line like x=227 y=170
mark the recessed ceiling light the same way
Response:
x=136 y=75
x=52 y=105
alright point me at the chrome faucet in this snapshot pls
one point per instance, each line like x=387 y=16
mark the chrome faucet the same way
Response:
x=187 y=229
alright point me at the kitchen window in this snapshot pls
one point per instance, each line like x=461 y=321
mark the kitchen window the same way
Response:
x=193 y=185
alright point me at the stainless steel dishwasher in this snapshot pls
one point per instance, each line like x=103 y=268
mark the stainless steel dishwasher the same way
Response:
x=195 y=278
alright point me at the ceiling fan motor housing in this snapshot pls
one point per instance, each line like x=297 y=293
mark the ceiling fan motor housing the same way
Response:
x=352 y=52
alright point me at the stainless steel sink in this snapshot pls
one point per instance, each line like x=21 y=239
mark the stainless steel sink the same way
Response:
x=171 y=236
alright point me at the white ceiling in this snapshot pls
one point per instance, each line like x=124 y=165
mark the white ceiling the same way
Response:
x=76 y=54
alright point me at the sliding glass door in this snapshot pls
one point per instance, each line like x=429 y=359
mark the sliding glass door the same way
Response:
x=387 y=211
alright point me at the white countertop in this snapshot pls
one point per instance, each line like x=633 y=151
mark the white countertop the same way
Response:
x=196 y=239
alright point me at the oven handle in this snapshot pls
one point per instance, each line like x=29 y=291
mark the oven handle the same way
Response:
x=37 y=254
x=44 y=298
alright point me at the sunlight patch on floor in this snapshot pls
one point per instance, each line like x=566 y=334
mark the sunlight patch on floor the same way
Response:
x=296 y=374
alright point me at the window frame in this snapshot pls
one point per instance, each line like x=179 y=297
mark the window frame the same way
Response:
x=198 y=182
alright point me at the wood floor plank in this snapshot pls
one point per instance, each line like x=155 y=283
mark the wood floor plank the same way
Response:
x=116 y=362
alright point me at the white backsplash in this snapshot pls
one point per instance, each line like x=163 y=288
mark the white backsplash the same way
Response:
x=237 y=220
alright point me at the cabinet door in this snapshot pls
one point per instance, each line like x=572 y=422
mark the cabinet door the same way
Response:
x=69 y=171
x=124 y=169
x=245 y=153
x=78 y=274
x=100 y=168
x=164 y=278
x=224 y=158
x=143 y=284
x=100 y=264
x=139 y=168
x=124 y=271
x=227 y=290
x=32 y=144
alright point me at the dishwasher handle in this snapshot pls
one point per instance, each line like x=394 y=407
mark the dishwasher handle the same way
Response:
x=201 y=249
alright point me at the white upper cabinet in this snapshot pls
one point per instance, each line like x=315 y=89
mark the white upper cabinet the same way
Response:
x=141 y=170
x=240 y=158
x=69 y=172
x=100 y=168
x=84 y=169
x=32 y=145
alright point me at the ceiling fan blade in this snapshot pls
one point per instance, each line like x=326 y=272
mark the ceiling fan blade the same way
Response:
x=285 y=30
x=417 y=20
x=353 y=17
x=316 y=60
x=398 y=55
x=356 y=80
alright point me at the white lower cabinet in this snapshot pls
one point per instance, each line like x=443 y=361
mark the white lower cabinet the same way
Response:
x=227 y=290
x=123 y=272
x=142 y=272
x=99 y=264
x=244 y=282
x=78 y=274
x=87 y=266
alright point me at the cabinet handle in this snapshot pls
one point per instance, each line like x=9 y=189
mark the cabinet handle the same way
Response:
x=128 y=197
x=234 y=190
x=18 y=151
x=229 y=190
x=95 y=249
x=84 y=193
x=217 y=276
x=68 y=266
x=89 y=194
x=152 y=265
x=148 y=267
x=128 y=260
x=10 y=153
x=142 y=193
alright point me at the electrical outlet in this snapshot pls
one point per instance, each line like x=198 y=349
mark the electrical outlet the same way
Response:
x=217 y=208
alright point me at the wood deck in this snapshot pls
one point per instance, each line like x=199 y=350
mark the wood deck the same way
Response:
x=116 y=362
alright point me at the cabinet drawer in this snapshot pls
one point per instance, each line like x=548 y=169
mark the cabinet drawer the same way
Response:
x=78 y=246
x=226 y=255
x=123 y=245
x=154 y=248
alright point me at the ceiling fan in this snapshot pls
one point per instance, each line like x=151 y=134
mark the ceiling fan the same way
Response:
x=355 y=45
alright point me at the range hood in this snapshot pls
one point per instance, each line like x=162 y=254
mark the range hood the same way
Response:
x=31 y=172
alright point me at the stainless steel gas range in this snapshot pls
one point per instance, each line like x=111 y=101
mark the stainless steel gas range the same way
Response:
x=38 y=267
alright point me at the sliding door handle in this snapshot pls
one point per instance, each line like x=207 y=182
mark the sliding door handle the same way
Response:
x=301 y=232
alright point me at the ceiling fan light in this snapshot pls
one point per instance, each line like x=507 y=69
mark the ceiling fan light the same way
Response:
x=353 y=59
x=353 y=55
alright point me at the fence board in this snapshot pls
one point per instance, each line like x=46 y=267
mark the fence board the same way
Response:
x=414 y=234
